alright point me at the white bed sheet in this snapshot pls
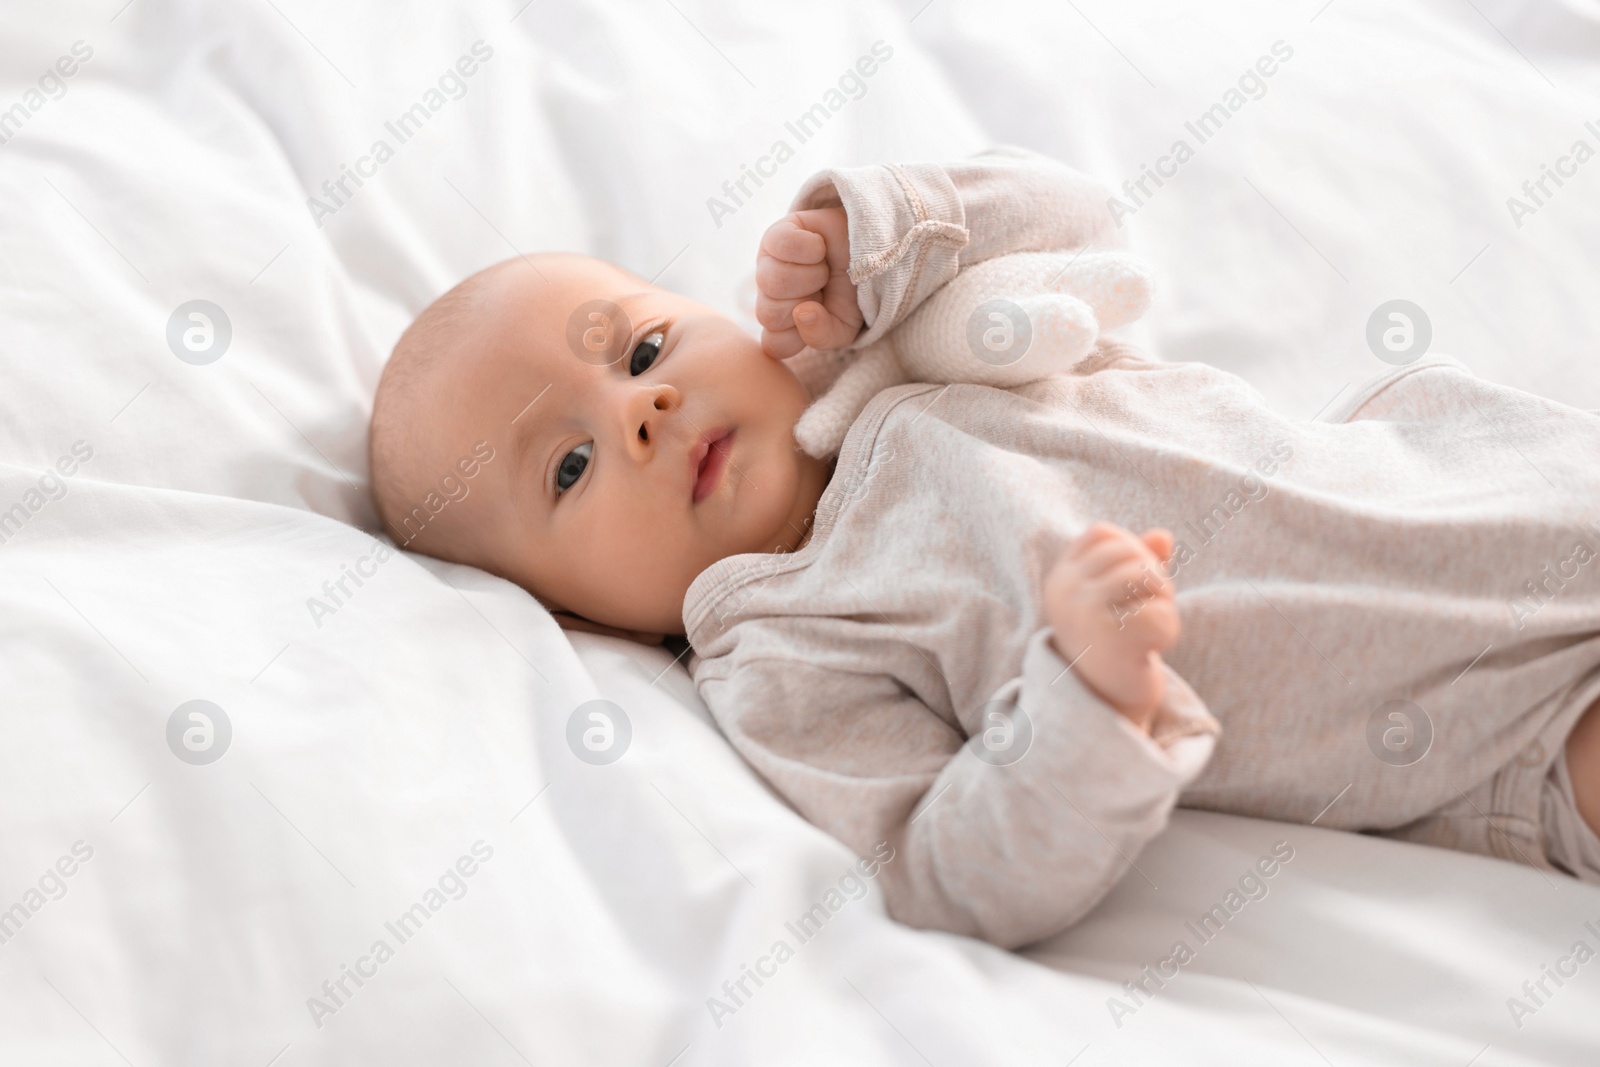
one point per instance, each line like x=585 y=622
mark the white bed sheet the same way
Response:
x=374 y=747
x=1377 y=164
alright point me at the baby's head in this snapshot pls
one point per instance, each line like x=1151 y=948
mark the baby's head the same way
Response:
x=549 y=419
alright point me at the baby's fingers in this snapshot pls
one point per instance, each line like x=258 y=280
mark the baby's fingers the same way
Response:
x=1092 y=535
x=789 y=281
x=1148 y=624
x=812 y=324
x=1110 y=553
x=1158 y=540
x=791 y=242
x=804 y=295
x=775 y=315
x=821 y=328
x=1091 y=551
x=781 y=344
x=1135 y=578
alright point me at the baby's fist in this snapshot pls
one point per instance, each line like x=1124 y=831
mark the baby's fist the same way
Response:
x=1112 y=610
x=804 y=295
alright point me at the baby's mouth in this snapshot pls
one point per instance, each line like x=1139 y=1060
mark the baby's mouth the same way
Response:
x=710 y=457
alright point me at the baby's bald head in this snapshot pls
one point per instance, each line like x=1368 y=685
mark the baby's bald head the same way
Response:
x=430 y=345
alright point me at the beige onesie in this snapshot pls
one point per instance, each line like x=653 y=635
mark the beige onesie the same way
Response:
x=1391 y=615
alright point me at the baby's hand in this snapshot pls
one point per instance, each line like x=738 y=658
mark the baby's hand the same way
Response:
x=804 y=295
x=1112 y=610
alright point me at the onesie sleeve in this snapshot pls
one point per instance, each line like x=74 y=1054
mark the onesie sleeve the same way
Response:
x=913 y=226
x=1011 y=835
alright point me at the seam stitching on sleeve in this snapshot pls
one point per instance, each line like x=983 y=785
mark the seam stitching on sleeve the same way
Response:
x=923 y=229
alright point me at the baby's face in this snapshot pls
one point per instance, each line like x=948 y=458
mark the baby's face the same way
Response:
x=632 y=450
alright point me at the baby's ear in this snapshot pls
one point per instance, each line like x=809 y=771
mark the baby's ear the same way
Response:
x=568 y=621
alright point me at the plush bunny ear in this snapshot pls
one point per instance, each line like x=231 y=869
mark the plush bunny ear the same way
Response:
x=1116 y=285
x=1021 y=317
x=1006 y=321
x=822 y=427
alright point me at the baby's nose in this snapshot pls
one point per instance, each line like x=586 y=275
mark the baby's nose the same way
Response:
x=648 y=412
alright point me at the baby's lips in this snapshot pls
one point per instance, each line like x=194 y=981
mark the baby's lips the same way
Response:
x=708 y=464
x=697 y=455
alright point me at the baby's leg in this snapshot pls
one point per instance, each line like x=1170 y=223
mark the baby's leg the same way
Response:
x=1583 y=765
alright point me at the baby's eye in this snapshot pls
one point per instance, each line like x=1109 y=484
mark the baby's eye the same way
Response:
x=572 y=467
x=644 y=356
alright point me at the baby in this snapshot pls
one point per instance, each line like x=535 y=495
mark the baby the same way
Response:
x=947 y=636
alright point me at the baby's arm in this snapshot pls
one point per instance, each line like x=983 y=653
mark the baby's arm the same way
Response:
x=906 y=229
x=1010 y=835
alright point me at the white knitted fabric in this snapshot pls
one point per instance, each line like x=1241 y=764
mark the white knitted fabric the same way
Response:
x=1003 y=322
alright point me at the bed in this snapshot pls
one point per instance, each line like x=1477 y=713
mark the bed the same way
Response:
x=275 y=794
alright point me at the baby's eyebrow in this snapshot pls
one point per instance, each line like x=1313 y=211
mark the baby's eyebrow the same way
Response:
x=518 y=416
x=624 y=303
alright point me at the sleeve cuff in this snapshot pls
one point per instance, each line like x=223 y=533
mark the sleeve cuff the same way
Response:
x=1182 y=735
x=907 y=230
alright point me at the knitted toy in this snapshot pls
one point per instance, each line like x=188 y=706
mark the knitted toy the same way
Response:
x=1003 y=322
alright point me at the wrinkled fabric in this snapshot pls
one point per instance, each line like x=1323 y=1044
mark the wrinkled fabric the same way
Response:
x=1391 y=617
